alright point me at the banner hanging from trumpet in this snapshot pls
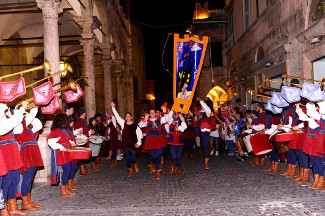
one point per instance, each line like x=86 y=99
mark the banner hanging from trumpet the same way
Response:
x=52 y=106
x=43 y=93
x=189 y=54
x=11 y=90
x=70 y=96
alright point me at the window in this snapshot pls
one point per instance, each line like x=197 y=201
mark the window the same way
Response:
x=216 y=54
x=246 y=13
x=268 y=2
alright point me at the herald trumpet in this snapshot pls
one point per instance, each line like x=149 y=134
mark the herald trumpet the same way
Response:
x=266 y=80
x=46 y=65
x=261 y=86
x=261 y=95
x=67 y=68
x=72 y=85
x=322 y=82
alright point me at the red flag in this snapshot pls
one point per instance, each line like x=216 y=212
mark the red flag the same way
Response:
x=70 y=96
x=54 y=105
x=43 y=93
x=11 y=90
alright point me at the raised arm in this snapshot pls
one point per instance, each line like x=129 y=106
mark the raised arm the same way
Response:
x=120 y=121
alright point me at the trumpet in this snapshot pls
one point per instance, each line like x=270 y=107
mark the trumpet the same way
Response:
x=261 y=95
x=261 y=86
x=322 y=82
x=266 y=80
x=46 y=66
x=70 y=86
x=67 y=68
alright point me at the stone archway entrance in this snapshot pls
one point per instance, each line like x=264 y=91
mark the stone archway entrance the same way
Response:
x=218 y=96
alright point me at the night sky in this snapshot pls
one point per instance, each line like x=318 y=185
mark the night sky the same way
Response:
x=158 y=18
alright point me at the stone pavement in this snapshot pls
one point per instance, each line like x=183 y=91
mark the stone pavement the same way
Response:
x=230 y=187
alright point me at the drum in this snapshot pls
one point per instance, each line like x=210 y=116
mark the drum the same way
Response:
x=80 y=153
x=248 y=144
x=261 y=144
x=95 y=139
x=281 y=140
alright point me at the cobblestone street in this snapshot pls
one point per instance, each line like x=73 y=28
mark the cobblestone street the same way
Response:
x=230 y=187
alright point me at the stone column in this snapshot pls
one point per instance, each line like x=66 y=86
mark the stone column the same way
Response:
x=107 y=69
x=89 y=69
x=120 y=93
x=51 y=10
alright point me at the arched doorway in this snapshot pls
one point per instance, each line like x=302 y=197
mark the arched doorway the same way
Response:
x=218 y=96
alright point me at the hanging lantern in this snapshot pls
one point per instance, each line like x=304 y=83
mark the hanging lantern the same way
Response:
x=63 y=65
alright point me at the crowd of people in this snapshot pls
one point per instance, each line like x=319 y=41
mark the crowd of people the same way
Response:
x=159 y=134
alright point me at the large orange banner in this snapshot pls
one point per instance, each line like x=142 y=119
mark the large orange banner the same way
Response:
x=189 y=54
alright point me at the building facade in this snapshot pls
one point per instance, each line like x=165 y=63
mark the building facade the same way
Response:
x=266 y=38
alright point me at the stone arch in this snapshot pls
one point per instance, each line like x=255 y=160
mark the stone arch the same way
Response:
x=259 y=54
x=218 y=96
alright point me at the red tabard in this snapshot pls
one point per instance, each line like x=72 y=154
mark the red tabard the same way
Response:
x=311 y=144
x=129 y=136
x=298 y=141
x=3 y=166
x=154 y=140
x=321 y=137
x=30 y=154
x=10 y=152
x=61 y=156
x=114 y=142
x=164 y=136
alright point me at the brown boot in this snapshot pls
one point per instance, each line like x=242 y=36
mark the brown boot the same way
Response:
x=271 y=167
x=83 y=170
x=301 y=174
x=136 y=168
x=276 y=168
x=262 y=163
x=185 y=154
x=176 y=171
x=68 y=191
x=172 y=167
x=87 y=170
x=4 y=211
x=26 y=205
x=116 y=163
x=192 y=157
x=305 y=177
x=162 y=161
x=93 y=166
x=206 y=163
x=71 y=186
x=99 y=161
x=153 y=168
x=112 y=163
x=287 y=171
x=158 y=174
x=30 y=200
x=316 y=176
x=150 y=168
x=292 y=172
x=131 y=172
x=320 y=184
x=63 y=191
x=13 y=208
x=254 y=161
